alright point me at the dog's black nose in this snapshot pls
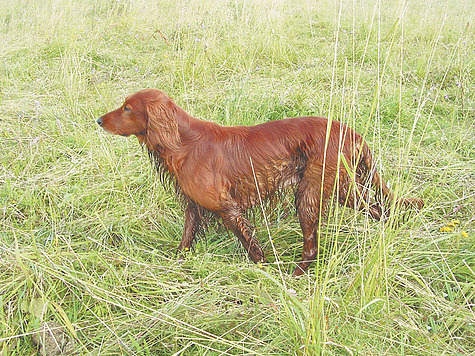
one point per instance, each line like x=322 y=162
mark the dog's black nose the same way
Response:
x=100 y=121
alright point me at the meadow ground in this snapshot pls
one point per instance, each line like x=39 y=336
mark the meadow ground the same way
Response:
x=88 y=235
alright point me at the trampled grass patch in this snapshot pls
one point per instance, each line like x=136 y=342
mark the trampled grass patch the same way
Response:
x=88 y=235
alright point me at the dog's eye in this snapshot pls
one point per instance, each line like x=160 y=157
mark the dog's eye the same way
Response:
x=127 y=108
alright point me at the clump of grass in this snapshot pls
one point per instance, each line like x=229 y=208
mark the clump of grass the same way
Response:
x=87 y=233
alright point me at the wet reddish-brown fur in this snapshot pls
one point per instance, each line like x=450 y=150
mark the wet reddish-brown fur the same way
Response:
x=216 y=168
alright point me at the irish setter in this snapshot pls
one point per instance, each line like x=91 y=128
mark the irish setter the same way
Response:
x=227 y=170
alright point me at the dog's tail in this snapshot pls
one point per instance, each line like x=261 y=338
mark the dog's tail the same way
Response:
x=367 y=173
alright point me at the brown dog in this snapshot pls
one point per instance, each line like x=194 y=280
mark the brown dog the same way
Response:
x=227 y=170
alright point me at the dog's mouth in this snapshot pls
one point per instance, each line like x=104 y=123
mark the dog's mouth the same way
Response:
x=141 y=133
x=113 y=132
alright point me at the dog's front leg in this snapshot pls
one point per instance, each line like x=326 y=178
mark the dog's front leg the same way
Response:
x=192 y=226
x=240 y=226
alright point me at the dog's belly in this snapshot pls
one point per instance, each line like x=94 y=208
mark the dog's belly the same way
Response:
x=265 y=181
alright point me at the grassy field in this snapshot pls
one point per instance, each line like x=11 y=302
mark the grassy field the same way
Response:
x=88 y=235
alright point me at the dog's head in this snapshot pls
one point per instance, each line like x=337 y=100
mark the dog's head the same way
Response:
x=148 y=114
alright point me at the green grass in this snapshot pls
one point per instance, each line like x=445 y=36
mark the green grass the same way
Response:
x=88 y=235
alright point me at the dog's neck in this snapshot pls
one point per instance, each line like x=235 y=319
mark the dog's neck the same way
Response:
x=190 y=131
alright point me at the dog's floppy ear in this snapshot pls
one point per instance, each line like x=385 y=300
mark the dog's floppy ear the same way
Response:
x=162 y=125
